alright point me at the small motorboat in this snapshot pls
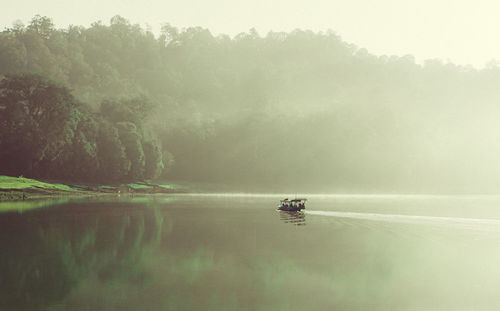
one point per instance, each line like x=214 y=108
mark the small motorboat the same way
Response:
x=294 y=205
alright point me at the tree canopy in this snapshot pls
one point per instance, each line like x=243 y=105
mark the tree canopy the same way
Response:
x=297 y=109
x=46 y=132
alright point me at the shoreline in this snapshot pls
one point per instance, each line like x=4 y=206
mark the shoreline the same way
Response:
x=20 y=189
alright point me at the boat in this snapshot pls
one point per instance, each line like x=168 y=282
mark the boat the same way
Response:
x=294 y=205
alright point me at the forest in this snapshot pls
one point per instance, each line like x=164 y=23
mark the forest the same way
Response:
x=296 y=111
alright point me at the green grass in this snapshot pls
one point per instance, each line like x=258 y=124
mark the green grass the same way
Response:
x=107 y=187
x=18 y=184
x=21 y=183
x=142 y=186
x=138 y=186
x=168 y=186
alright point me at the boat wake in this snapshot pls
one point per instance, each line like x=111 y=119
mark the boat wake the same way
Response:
x=414 y=219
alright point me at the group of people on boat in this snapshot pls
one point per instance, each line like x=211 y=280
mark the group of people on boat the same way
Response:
x=292 y=205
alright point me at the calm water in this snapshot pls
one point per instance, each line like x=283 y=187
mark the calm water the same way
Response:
x=239 y=253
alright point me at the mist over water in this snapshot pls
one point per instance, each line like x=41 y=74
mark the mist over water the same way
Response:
x=297 y=111
x=398 y=157
x=239 y=253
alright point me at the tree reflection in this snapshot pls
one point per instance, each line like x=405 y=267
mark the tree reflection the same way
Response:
x=44 y=254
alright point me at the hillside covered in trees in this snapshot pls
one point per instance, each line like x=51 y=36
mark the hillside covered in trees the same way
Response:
x=298 y=111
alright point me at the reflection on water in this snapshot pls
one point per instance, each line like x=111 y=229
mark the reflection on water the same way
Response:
x=197 y=253
x=26 y=205
x=45 y=254
x=294 y=218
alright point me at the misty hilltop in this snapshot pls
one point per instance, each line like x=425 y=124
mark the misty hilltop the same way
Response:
x=298 y=111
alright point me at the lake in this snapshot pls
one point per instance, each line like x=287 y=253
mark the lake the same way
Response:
x=215 y=252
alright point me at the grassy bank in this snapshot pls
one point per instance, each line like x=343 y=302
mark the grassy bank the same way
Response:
x=20 y=188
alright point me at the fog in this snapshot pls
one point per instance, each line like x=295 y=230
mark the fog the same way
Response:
x=273 y=108
x=461 y=32
x=236 y=253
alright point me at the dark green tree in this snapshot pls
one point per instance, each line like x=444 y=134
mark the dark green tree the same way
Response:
x=36 y=123
x=131 y=139
x=153 y=160
x=79 y=160
x=113 y=162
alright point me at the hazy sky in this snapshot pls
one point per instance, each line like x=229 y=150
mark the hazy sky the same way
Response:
x=464 y=32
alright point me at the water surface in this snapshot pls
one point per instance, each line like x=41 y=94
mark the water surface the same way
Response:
x=238 y=253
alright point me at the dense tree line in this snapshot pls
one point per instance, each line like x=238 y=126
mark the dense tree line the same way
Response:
x=280 y=111
x=46 y=132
